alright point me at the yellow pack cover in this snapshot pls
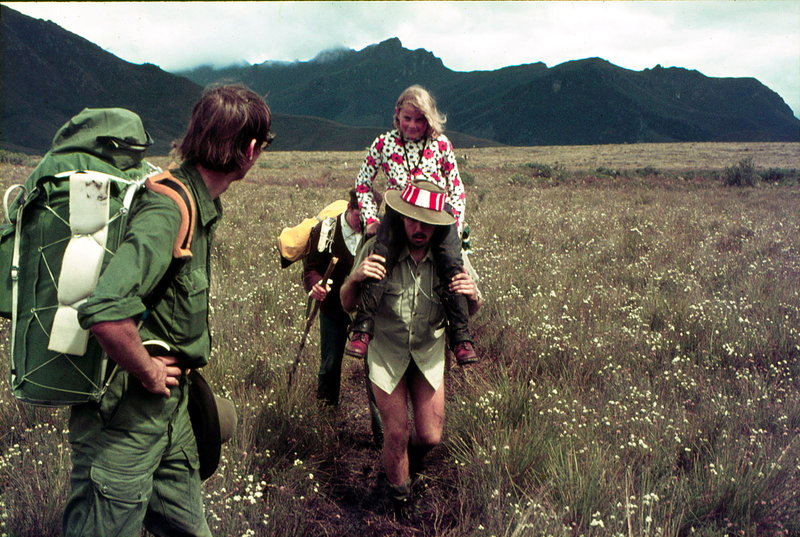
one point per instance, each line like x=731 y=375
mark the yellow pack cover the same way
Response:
x=294 y=243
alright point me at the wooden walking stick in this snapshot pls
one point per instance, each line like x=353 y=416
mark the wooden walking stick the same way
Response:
x=310 y=320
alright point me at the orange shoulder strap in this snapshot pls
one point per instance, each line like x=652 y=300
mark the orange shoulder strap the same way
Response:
x=165 y=183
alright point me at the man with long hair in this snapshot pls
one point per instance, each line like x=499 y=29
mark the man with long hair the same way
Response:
x=407 y=355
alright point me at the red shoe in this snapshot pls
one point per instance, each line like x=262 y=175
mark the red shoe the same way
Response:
x=357 y=346
x=465 y=353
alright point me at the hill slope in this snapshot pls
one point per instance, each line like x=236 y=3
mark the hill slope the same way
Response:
x=49 y=74
x=587 y=101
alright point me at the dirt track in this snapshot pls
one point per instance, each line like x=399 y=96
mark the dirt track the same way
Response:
x=355 y=506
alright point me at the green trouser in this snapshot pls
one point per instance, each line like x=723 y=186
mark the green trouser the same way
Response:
x=134 y=464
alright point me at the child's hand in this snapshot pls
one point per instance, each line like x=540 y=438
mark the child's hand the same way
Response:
x=372 y=229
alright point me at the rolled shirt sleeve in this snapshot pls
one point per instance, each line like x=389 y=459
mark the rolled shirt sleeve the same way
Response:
x=456 y=195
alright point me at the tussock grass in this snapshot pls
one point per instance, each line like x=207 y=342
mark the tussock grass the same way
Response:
x=641 y=340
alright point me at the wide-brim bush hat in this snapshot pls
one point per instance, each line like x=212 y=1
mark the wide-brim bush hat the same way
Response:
x=423 y=201
x=213 y=417
x=213 y=421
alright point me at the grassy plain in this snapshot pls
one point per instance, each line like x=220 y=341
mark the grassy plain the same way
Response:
x=641 y=339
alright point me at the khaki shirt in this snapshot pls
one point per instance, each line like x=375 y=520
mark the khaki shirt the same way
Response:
x=409 y=323
x=180 y=318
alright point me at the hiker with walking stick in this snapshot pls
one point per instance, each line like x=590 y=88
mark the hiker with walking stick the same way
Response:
x=333 y=237
x=312 y=308
x=407 y=354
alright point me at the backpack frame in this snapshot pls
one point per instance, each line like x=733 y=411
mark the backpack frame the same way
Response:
x=73 y=221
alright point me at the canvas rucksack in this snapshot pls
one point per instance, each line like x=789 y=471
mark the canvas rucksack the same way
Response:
x=60 y=230
x=294 y=242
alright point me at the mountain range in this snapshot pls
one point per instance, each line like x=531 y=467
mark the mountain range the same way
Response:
x=342 y=98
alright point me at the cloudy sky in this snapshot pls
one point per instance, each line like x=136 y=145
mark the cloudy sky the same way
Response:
x=720 y=38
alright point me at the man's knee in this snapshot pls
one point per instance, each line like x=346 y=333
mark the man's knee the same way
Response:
x=428 y=439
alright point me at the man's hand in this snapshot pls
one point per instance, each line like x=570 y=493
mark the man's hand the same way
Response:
x=371 y=267
x=463 y=284
x=120 y=339
x=162 y=374
x=319 y=291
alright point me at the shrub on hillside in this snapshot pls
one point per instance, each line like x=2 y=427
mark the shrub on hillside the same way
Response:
x=8 y=157
x=519 y=179
x=602 y=170
x=540 y=170
x=780 y=176
x=742 y=174
x=647 y=171
x=467 y=178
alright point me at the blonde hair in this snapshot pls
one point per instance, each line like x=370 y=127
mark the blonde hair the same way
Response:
x=422 y=100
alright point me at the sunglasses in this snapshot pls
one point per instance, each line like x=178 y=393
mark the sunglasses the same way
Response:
x=266 y=143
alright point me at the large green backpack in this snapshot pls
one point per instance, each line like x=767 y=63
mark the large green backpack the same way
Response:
x=60 y=230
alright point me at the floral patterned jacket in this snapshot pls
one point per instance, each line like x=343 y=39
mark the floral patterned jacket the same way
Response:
x=429 y=159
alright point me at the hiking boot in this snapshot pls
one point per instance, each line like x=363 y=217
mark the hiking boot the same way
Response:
x=357 y=346
x=401 y=509
x=465 y=353
x=399 y=497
